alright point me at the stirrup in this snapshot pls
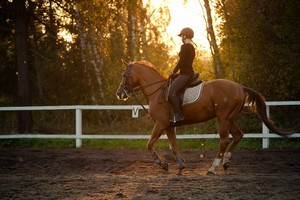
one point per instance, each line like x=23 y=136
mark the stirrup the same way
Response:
x=177 y=120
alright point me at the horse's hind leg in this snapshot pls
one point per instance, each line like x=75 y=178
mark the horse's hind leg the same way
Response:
x=237 y=135
x=224 y=141
x=172 y=140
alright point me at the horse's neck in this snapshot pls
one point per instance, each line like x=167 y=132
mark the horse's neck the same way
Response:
x=150 y=82
x=148 y=76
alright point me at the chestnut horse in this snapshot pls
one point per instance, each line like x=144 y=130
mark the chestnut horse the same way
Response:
x=221 y=99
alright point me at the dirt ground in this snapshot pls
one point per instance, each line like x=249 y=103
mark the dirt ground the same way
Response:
x=132 y=174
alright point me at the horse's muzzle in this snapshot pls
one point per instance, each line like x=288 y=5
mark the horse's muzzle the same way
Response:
x=121 y=94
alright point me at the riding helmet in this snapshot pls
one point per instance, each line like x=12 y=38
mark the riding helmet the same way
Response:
x=188 y=32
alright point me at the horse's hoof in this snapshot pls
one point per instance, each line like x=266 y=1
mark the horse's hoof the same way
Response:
x=225 y=166
x=210 y=173
x=180 y=162
x=179 y=173
x=165 y=166
x=181 y=166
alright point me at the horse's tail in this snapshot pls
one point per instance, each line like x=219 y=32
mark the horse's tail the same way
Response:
x=257 y=104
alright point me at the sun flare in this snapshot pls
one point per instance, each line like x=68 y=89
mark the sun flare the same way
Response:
x=183 y=15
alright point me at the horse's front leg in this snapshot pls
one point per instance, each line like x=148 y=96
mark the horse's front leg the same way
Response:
x=172 y=140
x=164 y=165
x=155 y=135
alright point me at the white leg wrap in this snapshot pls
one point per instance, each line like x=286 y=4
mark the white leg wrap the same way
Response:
x=215 y=164
x=227 y=157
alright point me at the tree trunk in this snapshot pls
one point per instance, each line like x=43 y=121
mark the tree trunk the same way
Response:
x=131 y=27
x=89 y=48
x=36 y=60
x=23 y=92
x=212 y=41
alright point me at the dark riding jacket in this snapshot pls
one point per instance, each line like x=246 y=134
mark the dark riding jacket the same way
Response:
x=186 y=58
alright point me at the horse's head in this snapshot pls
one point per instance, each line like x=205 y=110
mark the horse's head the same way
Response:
x=128 y=83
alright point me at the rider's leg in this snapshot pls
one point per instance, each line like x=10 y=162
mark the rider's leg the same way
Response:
x=177 y=86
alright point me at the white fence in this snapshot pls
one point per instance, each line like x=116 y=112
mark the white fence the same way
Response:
x=265 y=135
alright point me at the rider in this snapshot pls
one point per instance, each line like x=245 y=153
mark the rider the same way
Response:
x=185 y=68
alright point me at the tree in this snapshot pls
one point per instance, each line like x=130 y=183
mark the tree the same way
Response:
x=73 y=51
x=8 y=80
x=213 y=42
x=261 y=44
x=24 y=98
x=260 y=49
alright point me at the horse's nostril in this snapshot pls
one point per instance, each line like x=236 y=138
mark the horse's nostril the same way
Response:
x=121 y=95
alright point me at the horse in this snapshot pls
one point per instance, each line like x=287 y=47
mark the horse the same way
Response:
x=221 y=99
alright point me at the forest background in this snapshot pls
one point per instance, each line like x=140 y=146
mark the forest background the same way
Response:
x=68 y=52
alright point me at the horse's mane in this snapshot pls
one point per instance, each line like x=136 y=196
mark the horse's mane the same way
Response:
x=144 y=62
x=148 y=64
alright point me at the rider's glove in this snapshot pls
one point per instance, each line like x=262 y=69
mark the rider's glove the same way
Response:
x=172 y=75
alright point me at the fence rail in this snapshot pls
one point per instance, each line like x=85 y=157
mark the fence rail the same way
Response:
x=265 y=135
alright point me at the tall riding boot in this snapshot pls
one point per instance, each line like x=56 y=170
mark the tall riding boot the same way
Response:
x=178 y=117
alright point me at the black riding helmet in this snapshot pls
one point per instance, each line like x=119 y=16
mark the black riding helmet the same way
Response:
x=188 y=32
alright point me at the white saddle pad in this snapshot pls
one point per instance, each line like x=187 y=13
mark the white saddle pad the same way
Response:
x=192 y=94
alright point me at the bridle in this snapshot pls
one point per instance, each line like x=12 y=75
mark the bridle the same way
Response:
x=125 y=86
x=133 y=91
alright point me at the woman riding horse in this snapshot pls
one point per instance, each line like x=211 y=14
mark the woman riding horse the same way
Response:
x=185 y=68
x=220 y=99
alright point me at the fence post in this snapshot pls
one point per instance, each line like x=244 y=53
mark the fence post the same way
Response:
x=266 y=132
x=78 y=124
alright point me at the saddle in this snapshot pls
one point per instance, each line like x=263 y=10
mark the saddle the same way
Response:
x=194 y=81
x=191 y=93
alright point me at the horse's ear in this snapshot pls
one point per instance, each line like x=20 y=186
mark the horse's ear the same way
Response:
x=124 y=62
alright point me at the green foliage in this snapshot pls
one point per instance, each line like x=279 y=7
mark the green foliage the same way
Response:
x=75 y=51
x=260 y=45
x=76 y=48
x=259 y=42
x=204 y=65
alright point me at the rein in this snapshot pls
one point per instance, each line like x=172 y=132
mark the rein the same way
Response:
x=141 y=104
x=144 y=87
